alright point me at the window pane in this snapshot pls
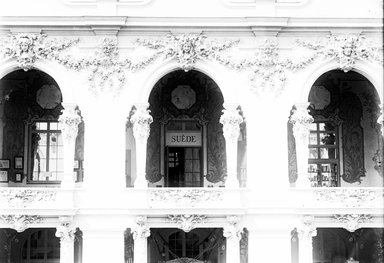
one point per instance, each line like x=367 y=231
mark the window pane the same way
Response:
x=313 y=126
x=41 y=126
x=327 y=139
x=188 y=153
x=313 y=139
x=196 y=153
x=188 y=166
x=313 y=153
x=196 y=165
x=327 y=153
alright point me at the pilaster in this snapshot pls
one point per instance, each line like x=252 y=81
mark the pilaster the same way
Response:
x=66 y=234
x=306 y=232
x=233 y=235
x=231 y=120
x=140 y=233
x=301 y=121
x=69 y=121
x=141 y=121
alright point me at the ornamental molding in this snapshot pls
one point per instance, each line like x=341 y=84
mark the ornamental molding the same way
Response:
x=231 y=120
x=301 y=121
x=307 y=229
x=141 y=230
x=21 y=198
x=352 y=222
x=346 y=50
x=190 y=197
x=231 y=230
x=350 y=198
x=26 y=48
x=269 y=69
x=187 y=49
x=69 y=121
x=141 y=120
x=20 y=222
x=64 y=231
x=186 y=222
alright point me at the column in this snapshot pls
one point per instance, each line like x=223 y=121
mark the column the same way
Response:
x=231 y=120
x=141 y=121
x=69 y=121
x=67 y=237
x=233 y=235
x=301 y=121
x=140 y=233
x=306 y=231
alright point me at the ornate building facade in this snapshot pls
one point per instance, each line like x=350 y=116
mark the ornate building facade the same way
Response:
x=191 y=131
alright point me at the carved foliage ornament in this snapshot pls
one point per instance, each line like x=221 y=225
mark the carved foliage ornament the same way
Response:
x=141 y=230
x=69 y=120
x=64 y=231
x=21 y=222
x=307 y=230
x=301 y=120
x=141 y=121
x=346 y=50
x=350 y=197
x=186 y=222
x=25 y=197
x=187 y=49
x=186 y=196
x=27 y=48
x=231 y=120
x=352 y=222
x=231 y=230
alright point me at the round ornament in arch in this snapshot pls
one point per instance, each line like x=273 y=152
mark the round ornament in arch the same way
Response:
x=183 y=97
x=319 y=97
x=48 y=96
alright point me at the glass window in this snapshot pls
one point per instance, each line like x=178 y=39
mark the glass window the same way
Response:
x=41 y=246
x=323 y=163
x=47 y=154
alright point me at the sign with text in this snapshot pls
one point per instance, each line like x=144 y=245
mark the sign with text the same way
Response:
x=183 y=139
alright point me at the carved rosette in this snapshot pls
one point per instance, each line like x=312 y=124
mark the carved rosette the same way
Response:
x=231 y=120
x=349 y=197
x=22 y=198
x=141 y=230
x=231 y=230
x=187 y=49
x=347 y=50
x=186 y=222
x=352 y=222
x=64 y=230
x=69 y=121
x=141 y=121
x=307 y=229
x=27 y=48
x=192 y=197
x=21 y=222
x=301 y=121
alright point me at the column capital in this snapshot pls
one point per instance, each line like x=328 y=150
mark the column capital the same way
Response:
x=69 y=121
x=141 y=230
x=64 y=231
x=301 y=120
x=307 y=229
x=141 y=121
x=231 y=120
x=231 y=230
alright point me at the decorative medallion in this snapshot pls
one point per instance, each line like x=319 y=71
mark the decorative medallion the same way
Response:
x=183 y=97
x=48 y=96
x=186 y=222
x=352 y=222
x=21 y=198
x=21 y=222
x=64 y=231
x=347 y=50
x=319 y=97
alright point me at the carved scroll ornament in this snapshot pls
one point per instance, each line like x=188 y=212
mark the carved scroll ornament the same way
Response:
x=186 y=222
x=352 y=222
x=21 y=222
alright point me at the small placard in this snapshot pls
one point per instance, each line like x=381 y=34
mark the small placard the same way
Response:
x=3 y=176
x=183 y=139
x=18 y=177
x=4 y=164
x=18 y=162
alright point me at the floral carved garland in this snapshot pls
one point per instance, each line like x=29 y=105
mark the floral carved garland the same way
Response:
x=25 y=197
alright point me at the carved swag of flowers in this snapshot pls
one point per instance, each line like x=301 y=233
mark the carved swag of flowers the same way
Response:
x=27 y=48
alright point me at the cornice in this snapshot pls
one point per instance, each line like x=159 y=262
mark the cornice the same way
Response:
x=208 y=23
